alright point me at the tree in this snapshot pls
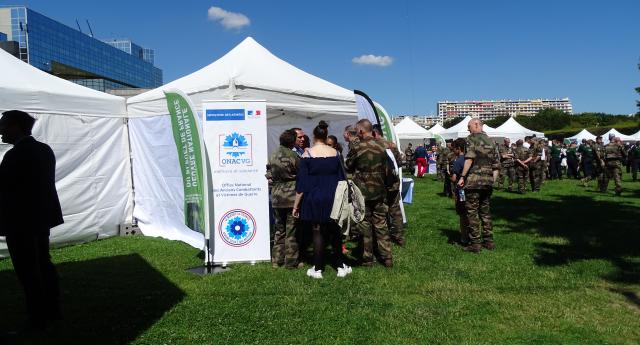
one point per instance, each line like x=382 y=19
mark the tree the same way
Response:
x=452 y=122
x=497 y=121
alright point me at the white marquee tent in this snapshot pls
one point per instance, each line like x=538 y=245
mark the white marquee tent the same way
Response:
x=513 y=130
x=437 y=129
x=636 y=136
x=87 y=131
x=410 y=132
x=460 y=130
x=249 y=71
x=583 y=134
x=624 y=137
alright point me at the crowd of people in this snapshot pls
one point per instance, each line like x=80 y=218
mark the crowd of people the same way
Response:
x=534 y=160
x=305 y=185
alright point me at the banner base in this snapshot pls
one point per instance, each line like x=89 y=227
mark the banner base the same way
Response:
x=208 y=269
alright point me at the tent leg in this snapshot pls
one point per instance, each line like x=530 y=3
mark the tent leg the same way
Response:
x=208 y=268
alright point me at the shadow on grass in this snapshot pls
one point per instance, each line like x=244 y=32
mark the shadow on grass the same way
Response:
x=104 y=301
x=584 y=229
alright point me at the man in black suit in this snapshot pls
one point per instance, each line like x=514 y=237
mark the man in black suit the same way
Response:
x=29 y=208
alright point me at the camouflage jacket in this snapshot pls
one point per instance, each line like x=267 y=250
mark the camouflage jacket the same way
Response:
x=535 y=150
x=408 y=154
x=598 y=152
x=396 y=155
x=481 y=149
x=367 y=160
x=283 y=168
x=506 y=162
x=614 y=154
x=521 y=154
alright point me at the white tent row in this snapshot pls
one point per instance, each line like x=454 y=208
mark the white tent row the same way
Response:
x=460 y=130
x=248 y=72
x=87 y=131
x=636 y=136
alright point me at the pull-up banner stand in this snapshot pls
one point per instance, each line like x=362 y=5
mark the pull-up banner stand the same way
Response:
x=235 y=134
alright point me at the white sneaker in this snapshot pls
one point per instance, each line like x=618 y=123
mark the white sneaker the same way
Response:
x=313 y=273
x=343 y=271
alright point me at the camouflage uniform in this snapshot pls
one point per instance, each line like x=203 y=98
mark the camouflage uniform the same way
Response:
x=507 y=166
x=478 y=187
x=634 y=156
x=408 y=159
x=599 y=166
x=547 y=159
x=536 y=166
x=522 y=172
x=396 y=229
x=283 y=167
x=367 y=160
x=446 y=155
x=614 y=155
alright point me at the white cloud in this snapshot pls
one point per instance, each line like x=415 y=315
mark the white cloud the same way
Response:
x=230 y=20
x=376 y=60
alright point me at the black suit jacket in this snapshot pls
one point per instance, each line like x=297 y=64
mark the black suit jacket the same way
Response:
x=29 y=201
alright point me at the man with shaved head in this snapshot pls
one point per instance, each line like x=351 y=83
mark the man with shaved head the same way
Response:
x=477 y=181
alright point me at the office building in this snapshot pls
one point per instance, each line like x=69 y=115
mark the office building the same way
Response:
x=76 y=56
x=487 y=110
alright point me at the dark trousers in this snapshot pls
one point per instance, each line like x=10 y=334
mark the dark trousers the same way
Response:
x=572 y=170
x=447 y=184
x=37 y=274
x=555 y=168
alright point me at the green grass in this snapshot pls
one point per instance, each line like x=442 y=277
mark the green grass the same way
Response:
x=566 y=271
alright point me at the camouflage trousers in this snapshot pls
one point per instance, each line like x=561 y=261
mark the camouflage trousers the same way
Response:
x=285 y=242
x=601 y=176
x=396 y=229
x=535 y=175
x=509 y=173
x=613 y=171
x=374 y=229
x=522 y=174
x=480 y=227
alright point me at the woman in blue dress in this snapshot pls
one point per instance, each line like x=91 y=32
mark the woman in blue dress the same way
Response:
x=318 y=175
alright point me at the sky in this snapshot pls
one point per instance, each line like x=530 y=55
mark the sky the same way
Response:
x=407 y=55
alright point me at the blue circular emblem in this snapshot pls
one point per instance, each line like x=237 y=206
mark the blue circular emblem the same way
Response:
x=237 y=228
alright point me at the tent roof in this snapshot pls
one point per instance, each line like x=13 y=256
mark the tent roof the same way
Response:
x=29 y=89
x=624 y=137
x=408 y=129
x=583 y=134
x=460 y=130
x=514 y=130
x=636 y=135
x=437 y=129
x=249 y=71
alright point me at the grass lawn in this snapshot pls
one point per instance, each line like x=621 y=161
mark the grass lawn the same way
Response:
x=566 y=271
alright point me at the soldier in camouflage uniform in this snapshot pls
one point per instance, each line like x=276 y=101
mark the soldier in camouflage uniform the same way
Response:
x=599 y=163
x=634 y=156
x=477 y=180
x=614 y=155
x=522 y=159
x=536 y=165
x=446 y=155
x=408 y=158
x=283 y=167
x=367 y=160
x=394 y=220
x=507 y=164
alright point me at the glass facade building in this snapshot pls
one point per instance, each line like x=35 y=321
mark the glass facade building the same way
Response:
x=3 y=37
x=73 y=55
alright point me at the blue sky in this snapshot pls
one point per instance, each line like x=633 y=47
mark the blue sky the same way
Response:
x=440 y=50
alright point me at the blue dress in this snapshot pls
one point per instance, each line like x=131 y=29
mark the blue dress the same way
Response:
x=318 y=178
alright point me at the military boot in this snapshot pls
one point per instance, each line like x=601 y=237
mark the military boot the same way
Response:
x=473 y=248
x=489 y=245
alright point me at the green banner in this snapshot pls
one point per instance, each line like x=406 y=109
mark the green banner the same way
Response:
x=189 y=145
x=385 y=123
